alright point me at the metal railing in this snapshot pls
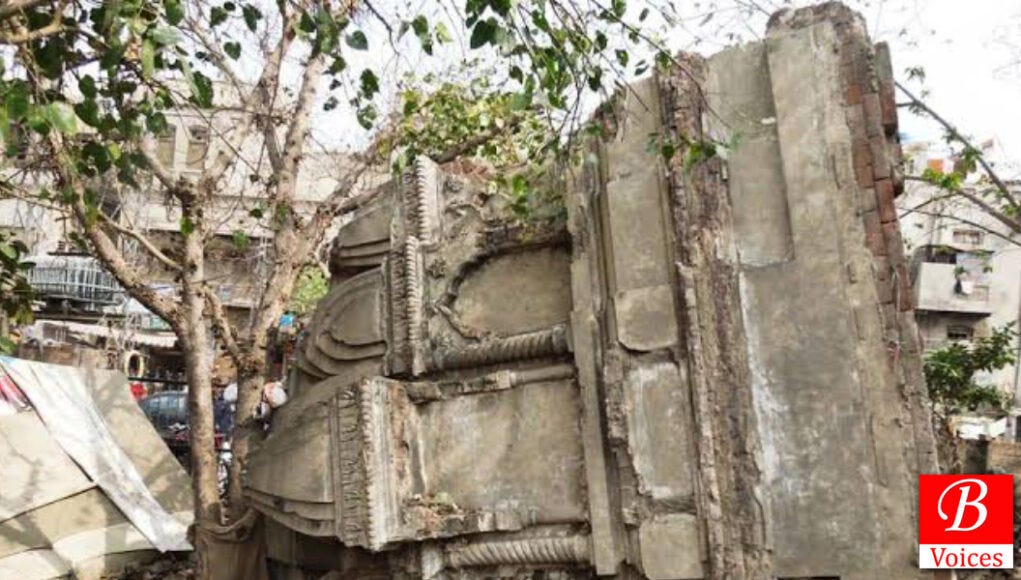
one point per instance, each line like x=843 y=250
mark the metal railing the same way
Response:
x=78 y=278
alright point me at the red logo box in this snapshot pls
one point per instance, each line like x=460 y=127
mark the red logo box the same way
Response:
x=966 y=521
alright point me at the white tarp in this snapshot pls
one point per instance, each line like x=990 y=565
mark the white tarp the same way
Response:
x=60 y=397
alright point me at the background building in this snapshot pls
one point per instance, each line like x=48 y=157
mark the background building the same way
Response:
x=965 y=266
x=84 y=317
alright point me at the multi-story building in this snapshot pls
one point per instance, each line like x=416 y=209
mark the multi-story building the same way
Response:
x=79 y=298
x=965 y=267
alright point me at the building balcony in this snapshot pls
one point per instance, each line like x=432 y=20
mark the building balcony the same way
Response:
x=78 y=279
x=937 y=289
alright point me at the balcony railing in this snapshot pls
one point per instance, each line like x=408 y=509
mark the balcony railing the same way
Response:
x=937 y=290
x=75 y=278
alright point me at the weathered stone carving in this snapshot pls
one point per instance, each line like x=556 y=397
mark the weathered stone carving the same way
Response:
x=535 y=551
x=710 y=370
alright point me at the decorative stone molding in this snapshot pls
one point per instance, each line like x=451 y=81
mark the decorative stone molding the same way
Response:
x=421 y=200
x=534 y=551
x=523 y=346
x=363 y=490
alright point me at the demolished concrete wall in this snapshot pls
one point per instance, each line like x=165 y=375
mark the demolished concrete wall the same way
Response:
x=711 y=370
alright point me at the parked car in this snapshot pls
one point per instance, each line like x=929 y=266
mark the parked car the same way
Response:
x=166 y=409
x=168 y=413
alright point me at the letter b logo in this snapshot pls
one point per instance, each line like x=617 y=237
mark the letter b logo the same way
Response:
x=965 y=486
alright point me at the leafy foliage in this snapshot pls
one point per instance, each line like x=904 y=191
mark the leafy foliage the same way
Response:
x=15 y=292
x=507 y=138
x=443 y=120
x=311 y=286
x=950 y=372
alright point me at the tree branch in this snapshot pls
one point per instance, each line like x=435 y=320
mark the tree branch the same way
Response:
x=297 y=130
x=974 y=224
x=50 y=29
x=140 y=238
x=957 y=136
x=266 y=88
x=14 y=7
x=222 y=324
x=280 y=282
x=993 y=212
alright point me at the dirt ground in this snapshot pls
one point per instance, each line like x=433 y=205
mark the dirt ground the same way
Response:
x=171 y=566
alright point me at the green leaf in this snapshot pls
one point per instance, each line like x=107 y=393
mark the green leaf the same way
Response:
x=61 y=117
x=240 y=240
x=327 y=32
x=367 y=116
x=187 y=226
x=88 y=111
x=148 y=58
x=357 y=40
x=9 y=251
x=305 y=23
x=622 y=56
x=165 y=36
x=338 y=65
x=251 y=15
x=484 y=33
x=17 y=102
x=619 y=7
x=521 y=101
x=175 y=14
x=421 y=27
x=442 y=34
x=370 y=84
x=233 y=49
x=87 y=85
x=204 y=93
x=217 y=16
x=200 y=85
x=7 y=346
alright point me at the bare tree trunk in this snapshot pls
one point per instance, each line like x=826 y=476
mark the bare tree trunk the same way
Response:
x=252 y=375
x=198 y=362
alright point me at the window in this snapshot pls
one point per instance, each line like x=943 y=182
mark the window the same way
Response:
x=968 y=237
x=166 y=145
x=959 y=332
x=198 y=143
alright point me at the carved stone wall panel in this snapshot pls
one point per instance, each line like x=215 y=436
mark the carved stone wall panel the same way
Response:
x=641 y=325
x=531 y=287
x=295 y=469
x=364 y=241
x=671 y=548
x=456 y=253
x=588 y=333
x=625 y=330
x=498 y=451
x=448 y=465
x=656 y=407
x=347 y=327
x=371 y=470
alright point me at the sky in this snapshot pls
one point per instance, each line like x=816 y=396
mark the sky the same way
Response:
x=970 y=52
x=972 y=61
